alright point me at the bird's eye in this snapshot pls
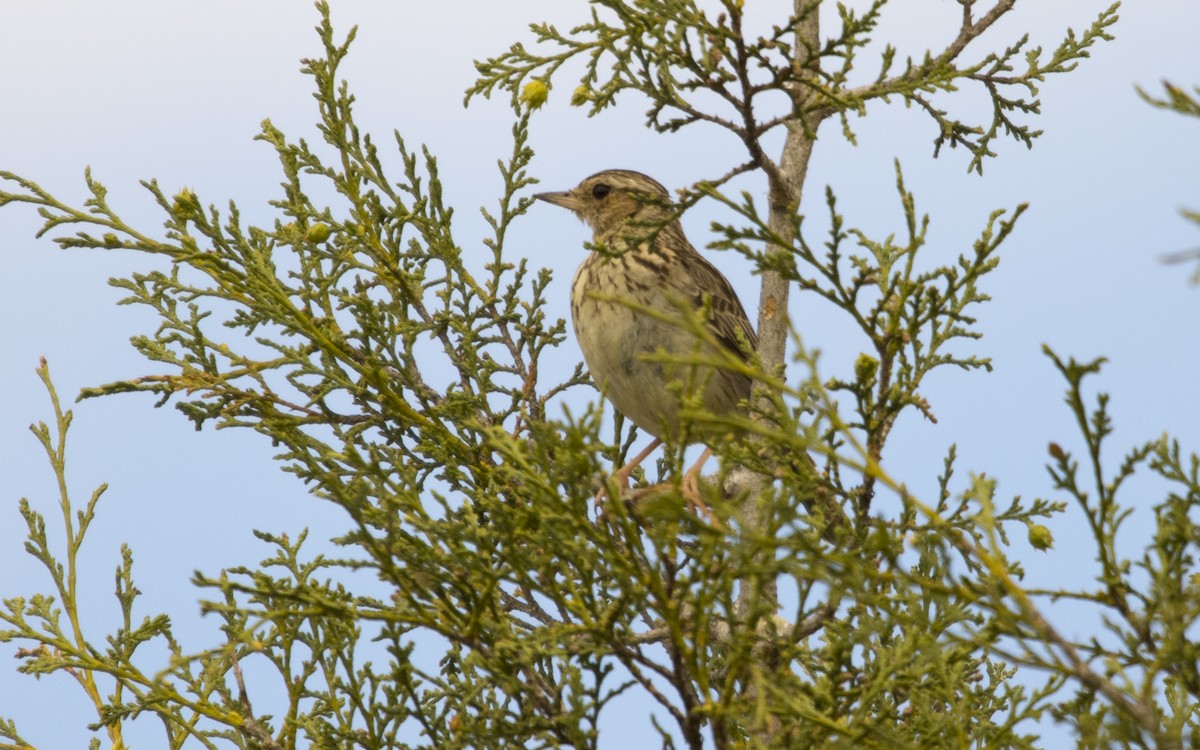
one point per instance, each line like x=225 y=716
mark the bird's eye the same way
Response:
x=600 y=191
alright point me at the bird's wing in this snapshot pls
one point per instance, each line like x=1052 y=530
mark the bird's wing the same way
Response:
x=729 y=323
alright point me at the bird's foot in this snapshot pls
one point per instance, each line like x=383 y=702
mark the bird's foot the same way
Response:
x=690 y=489
x=621 y=477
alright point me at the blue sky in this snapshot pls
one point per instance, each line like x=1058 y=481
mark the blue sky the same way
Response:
x=143 y=89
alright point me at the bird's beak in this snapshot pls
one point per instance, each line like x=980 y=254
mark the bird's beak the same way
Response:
x=565 y=198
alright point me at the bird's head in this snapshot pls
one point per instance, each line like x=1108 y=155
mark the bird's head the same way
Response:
x=614 y=198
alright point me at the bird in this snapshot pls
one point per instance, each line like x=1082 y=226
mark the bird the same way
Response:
x=628 y=298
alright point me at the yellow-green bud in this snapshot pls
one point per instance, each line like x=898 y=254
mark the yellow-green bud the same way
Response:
x=1040 y=537
x=112 y=240
x=581 y=96
x=865 y=368
x=317 y=233
x=185 y=205
x=535 y=94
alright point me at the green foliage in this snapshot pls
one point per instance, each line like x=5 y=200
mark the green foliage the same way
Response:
x=1179 y=100
x=399 y=376
x=909 y=317
x=677 y=55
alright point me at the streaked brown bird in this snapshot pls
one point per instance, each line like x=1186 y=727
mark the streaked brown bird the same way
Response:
x=627 y=303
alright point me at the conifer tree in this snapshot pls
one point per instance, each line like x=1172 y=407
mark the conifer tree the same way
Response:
x=824 y=604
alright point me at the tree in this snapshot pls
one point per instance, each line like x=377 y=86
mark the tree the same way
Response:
x=848 y=625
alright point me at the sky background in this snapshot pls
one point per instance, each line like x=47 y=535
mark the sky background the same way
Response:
x=176 y=92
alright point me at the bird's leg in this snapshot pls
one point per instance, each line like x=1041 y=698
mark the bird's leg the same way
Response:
x=622 y=475
x=690 y=488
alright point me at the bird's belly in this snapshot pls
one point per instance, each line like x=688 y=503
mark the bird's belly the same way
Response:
x=616 y=355
x=623 y=349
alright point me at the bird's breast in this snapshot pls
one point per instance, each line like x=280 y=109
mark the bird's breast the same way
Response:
x=622 y=315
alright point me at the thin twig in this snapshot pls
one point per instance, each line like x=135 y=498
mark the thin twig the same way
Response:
x=249 y=725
